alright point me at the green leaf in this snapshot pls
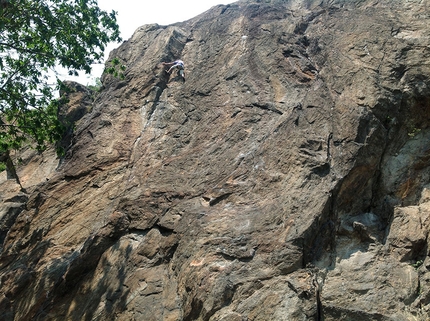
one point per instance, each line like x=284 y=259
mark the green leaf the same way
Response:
x=36 y=35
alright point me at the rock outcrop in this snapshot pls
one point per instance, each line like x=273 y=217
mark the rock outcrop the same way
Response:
x=288 y=178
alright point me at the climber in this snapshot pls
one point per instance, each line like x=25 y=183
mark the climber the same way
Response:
x=179 y=64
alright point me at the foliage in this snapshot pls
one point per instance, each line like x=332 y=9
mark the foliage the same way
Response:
x=116 y=68
x=417 y=264
x=2 y=166
x=413 y=132
x=35 y=37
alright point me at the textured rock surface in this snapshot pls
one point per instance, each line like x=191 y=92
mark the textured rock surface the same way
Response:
x=287 y=179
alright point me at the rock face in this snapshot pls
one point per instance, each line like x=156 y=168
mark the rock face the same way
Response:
x=288 y=178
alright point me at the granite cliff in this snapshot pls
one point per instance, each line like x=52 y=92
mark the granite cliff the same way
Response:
x=288 y=178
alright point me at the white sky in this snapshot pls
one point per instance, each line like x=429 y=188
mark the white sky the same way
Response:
x=132 y=14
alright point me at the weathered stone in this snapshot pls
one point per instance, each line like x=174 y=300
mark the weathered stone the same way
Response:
x=408 y=232
x=286 y=179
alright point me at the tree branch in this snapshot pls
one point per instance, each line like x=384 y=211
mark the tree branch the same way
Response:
x=20 y=49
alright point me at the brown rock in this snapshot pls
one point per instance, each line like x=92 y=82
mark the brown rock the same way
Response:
x=285 y=179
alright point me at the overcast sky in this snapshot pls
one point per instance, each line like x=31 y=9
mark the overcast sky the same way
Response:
x=135 y=13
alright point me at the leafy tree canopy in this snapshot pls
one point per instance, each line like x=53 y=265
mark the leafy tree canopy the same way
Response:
x=35 y=37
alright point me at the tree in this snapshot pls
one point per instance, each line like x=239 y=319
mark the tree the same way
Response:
x=35 y=37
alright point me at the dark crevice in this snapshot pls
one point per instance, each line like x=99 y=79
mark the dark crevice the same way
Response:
x=267 y=106
x=216 y=200
x=321 y=236
x=329 y=141
x=158 y=88
x=20 y=198
x=165 y=231
x=170 y=253
x=289 y=53
x=318 y=283
x=303 y=25
x=231 y=77
x=319 y=305
x=90 y=171
x=196 y=308
x=229 y=257
x=224 y=9
x=322 y=170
